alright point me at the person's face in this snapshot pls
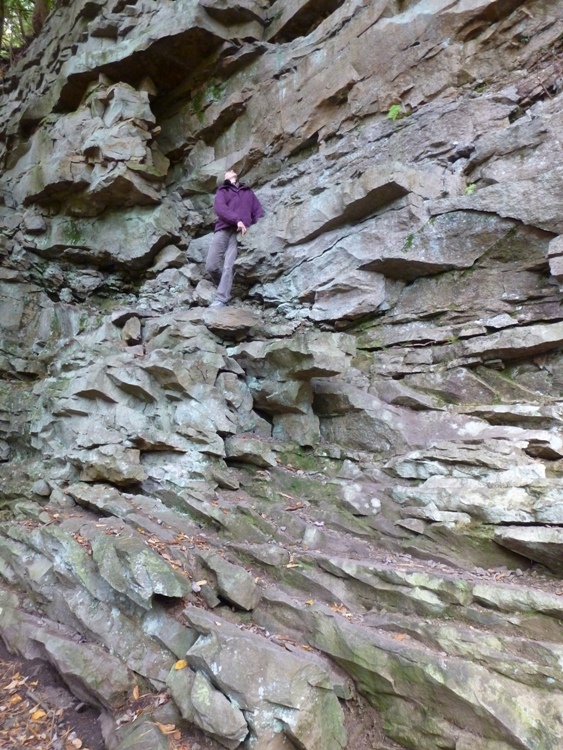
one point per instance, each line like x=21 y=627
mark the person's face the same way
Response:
x=231 y=176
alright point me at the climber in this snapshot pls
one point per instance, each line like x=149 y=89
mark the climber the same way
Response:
x=238 y=209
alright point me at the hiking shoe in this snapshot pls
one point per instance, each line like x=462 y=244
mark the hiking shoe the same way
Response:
x=218 y=303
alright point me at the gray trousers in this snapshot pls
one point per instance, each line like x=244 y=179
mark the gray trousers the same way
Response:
x=221 y=260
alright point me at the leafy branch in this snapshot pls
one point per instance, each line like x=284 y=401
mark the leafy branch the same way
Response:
x=20 y=21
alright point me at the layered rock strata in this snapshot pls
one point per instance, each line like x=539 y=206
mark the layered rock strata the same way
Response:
x=343 y=490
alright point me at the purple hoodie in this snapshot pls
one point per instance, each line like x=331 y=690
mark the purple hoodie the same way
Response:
x=234 y=204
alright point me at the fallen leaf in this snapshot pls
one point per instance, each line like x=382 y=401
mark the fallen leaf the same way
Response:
x=39 y=714
x=136 y=693
x=76 y=743
x=310 y=602
x=166 y=728
x=181 y=664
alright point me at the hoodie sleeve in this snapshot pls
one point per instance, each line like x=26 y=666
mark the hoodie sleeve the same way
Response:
x=257 y=211
x=222 y=209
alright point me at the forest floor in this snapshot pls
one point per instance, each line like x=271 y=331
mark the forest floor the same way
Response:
x=38 y=711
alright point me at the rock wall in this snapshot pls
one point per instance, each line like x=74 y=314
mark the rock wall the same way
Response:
x=345 y=486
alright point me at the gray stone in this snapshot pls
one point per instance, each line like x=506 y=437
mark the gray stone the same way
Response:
x=169 y=257
x=451 y=241
x=208 y=708
x=297 y=694
x=304 y=429
x=41 y=488
x=112 y=463
x=129 y=238
x=230 y=322
x=250 y=451
x=5 y=451
x=481 y=501
x=412 y=200
x=204 y=293
x=494 y=461
x=360 y=500
x=356 y=200
x=131 y=568
x=89 y=670
x=528 y=341
x=539 y=543
x=131 y=332
x=234 y=583
x=275 y=397
x=142 y=734
x=516 y=204
x=300 y=358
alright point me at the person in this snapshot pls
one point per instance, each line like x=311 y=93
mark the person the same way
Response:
x=237 y=209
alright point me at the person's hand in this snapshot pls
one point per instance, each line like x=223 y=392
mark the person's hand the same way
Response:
x=241 y=227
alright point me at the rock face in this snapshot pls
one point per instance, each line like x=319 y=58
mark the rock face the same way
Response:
x=346 y=486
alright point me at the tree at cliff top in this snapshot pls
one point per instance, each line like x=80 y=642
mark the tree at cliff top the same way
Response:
x=21 y=20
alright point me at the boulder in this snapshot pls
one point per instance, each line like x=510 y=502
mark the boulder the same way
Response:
x=539 y=543
x=273 y=684
x=206 y=707
x=299 y=358
x=111 y=463
x=303 y=429
x=142 y=734
x=133 y=569
x=249 y=450
x=130 y=238
x=230 y=322
x=360 y=500
x=234 y=583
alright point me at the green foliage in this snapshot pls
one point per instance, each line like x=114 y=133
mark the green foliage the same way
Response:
x=408 y=243
x=396 y=112
x=20 y=21
x=470 y=189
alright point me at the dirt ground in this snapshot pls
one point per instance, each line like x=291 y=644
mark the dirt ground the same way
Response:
x=38 y=711
x=364 y=727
